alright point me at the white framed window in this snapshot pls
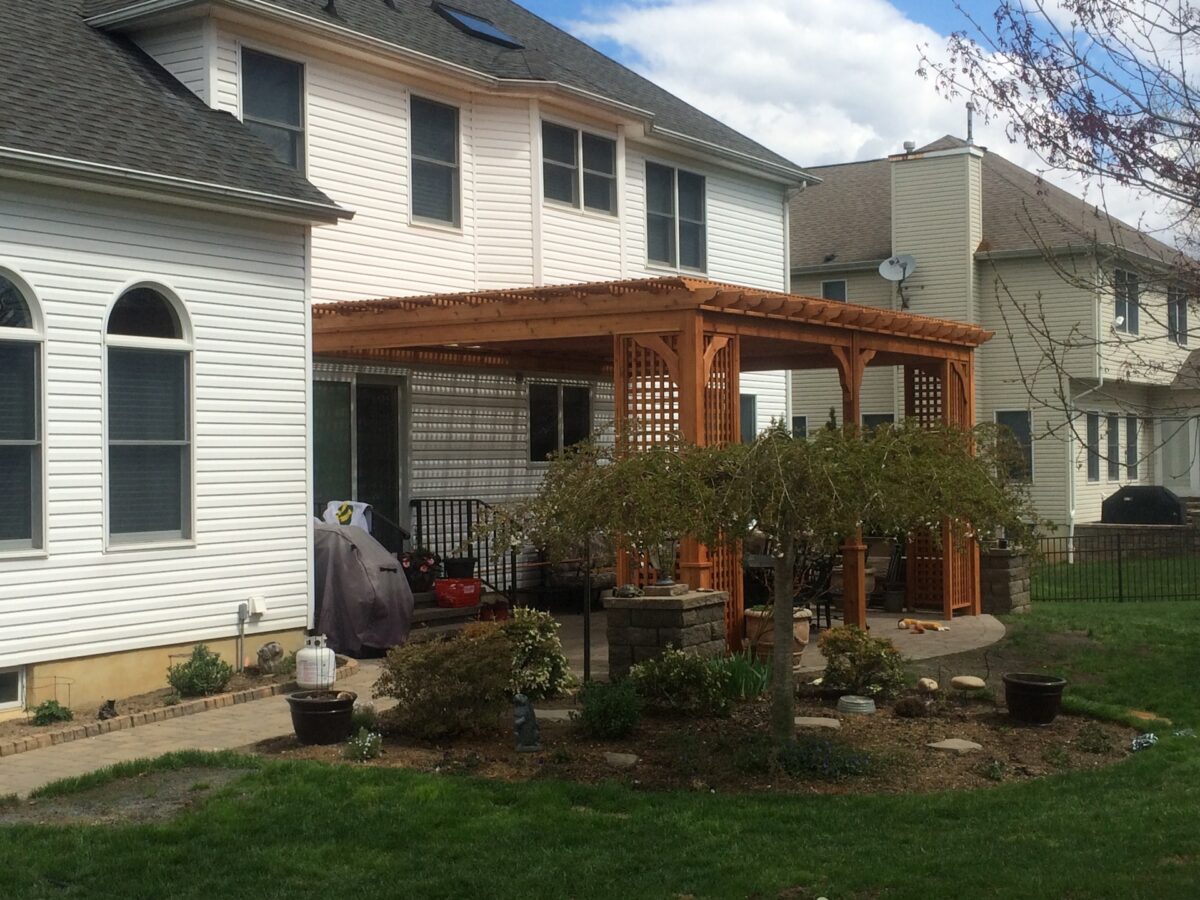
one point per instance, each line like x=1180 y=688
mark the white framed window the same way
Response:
x=273 y=103
x=1127 y=308
x=579 y=165
x=834 y=290
x=12 y=688
x=1018 y=425
x=435 y=160
x=873 y=421
x=148 y=422
x=560 y=415
x=22 y=446
x=800 y=426
x=676 y=218
x=748 y=417
x=1132 y=438
x=1177 y=315
x=1113 y=441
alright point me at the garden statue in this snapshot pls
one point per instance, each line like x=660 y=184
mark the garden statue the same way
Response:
x=270 y=657
x=525 y=726
x=628 y=591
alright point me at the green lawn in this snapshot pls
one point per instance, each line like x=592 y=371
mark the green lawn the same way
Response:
x=303 y=830
x=1134 y=579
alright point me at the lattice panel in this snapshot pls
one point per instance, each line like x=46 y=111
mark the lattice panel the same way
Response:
x=648 y=397
x=923 y=395
x=721 y=401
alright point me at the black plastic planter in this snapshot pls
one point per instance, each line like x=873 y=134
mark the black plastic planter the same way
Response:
x=1033 y=699
x=459 y=566
x=322 y=717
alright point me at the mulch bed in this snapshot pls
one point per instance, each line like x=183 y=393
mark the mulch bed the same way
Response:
x=733 y=755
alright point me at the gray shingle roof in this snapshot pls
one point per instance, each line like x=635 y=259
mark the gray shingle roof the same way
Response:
x=71 y=92
x=849 y=214
x=549 y=54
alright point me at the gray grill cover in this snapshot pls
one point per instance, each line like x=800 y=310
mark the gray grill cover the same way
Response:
x=362 y=596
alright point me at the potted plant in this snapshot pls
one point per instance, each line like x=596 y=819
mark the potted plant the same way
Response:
x=322 y=717
x=461 y=563
x=760 y=631
x=420 y=567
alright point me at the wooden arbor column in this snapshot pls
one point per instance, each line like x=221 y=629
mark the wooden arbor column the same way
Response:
x=945 y=577
x=683 y=383
x=852 y=364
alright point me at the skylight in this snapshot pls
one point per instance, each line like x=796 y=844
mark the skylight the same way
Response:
x=476 y=26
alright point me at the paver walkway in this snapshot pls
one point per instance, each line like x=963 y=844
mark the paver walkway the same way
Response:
x=218 y=729
x=247 y=723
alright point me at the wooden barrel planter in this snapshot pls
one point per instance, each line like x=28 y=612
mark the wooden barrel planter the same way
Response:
x=1033 y=699
x=760 y=632
x=322 y=717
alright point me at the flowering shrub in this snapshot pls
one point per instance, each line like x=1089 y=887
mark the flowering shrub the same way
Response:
x=860 y=664
x=539 y=666
x=364 y=746
x=681 y=683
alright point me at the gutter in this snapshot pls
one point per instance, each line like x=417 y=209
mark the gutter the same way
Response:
x=1071 y=401
x=29 y=165
x=135 y=13
x=864 y=265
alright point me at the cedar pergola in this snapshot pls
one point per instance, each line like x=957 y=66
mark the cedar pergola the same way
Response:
x=675 y=349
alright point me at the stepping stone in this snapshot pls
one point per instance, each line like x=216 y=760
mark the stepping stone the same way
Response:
x=967 y=683
x=554 y=715
x=956 y=745
x=927 y=686
x=817 y=722
x=621 y=760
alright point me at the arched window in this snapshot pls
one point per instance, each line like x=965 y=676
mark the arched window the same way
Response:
x=149 y=419
x=20 y=419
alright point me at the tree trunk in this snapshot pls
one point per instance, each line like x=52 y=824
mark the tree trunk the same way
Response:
x=783 y=681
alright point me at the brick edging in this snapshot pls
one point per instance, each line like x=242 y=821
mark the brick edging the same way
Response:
x=162 y=714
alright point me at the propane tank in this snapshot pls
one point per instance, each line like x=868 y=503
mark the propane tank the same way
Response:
x=316 y=665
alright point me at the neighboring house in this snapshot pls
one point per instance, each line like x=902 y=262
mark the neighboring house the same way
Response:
x=996 y=246
x=157 y=267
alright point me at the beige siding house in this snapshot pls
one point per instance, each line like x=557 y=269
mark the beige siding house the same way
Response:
x=1050 y=275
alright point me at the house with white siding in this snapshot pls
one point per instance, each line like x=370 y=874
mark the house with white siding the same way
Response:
x=163 y=421
x=1084 y=313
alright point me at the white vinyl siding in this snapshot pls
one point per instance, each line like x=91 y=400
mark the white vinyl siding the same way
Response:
x=182 y=50
x=243 y=284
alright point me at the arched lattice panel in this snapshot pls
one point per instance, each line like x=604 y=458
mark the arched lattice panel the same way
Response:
x=943 y=575
x=722 y=426
x=646 y=382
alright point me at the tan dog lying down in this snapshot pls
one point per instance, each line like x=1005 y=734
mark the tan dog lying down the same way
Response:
x=920 y=626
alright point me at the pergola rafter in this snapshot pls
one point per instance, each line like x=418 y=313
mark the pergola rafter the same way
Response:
x=675 y=348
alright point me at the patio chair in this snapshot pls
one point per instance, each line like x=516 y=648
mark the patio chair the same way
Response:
x=815 y=590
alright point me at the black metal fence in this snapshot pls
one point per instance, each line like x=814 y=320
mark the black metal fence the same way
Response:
x=1130 y=565
x=447 y=526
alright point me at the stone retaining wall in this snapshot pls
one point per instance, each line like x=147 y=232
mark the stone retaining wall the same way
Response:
x=641 y=628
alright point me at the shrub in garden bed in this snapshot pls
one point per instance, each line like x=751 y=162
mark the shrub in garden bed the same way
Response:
x=364 y=745
x=857 y=663
x=608 y=709
x=447 y=688
x=202 y=675
x=680 y=683
x=51 y=712
x=539 y=667
x=823 y=758
x=744 y=675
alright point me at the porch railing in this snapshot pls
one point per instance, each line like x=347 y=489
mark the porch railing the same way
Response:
x=1125 y=566
x=446 y=525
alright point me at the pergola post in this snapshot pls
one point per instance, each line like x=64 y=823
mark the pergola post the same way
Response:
x=695 y=567
x=851 y=364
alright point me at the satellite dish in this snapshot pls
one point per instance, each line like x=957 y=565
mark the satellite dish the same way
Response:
x=898 y=267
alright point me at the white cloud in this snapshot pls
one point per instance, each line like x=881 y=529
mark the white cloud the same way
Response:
x=820 y=81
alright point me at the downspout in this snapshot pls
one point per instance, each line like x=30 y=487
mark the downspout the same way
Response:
x=1071 y=401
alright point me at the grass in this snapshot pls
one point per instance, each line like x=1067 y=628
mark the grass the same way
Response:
x=303 y=829
x=1133 y=579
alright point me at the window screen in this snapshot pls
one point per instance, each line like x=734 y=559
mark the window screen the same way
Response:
x=543 y=421
x=577 y=414
x=10 y=687
x=1093 y=446
x=599 y=173
x=560 y=167
x=660 y=213
x=434 y=161
x=1127 y=303
x=20 y=445
x=273 y=103
x=14 y=311
x=331 y=443
x=1114 y=447
x=799 y=426
x=1177 y=316
x=1132 y=456
x=833 y=290
x=148 y=456
x=692 y=240
x=748 y=413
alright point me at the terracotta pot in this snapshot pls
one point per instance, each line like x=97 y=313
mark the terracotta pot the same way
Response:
x=760 y=633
